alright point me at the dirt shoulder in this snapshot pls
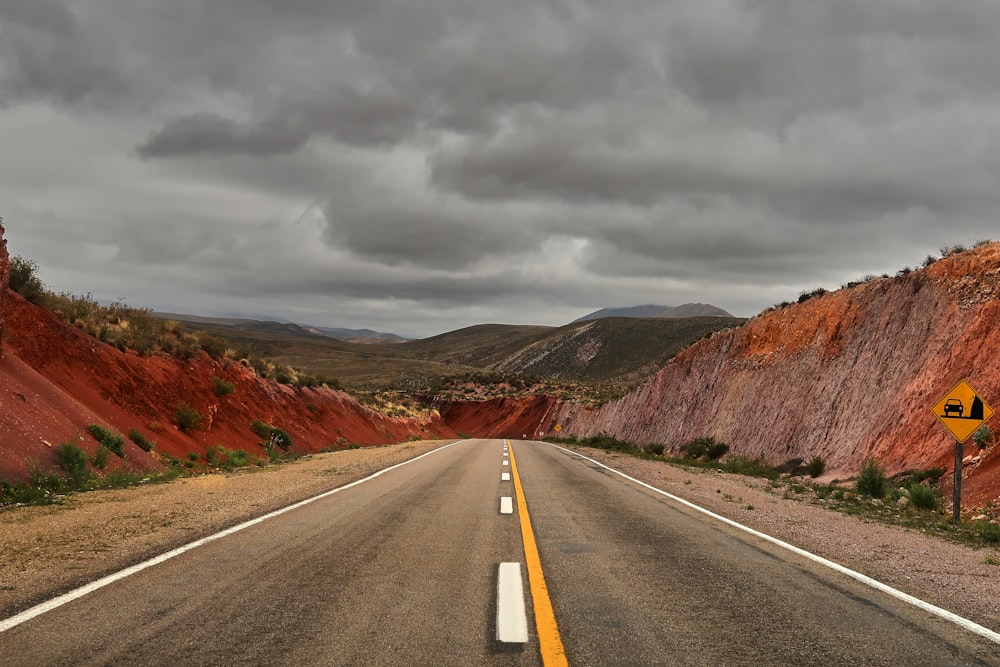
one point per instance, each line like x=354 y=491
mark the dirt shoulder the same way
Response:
x=46 y=550
x=51 y=549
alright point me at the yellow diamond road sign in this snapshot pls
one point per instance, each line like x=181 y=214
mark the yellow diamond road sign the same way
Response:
x=962 y=411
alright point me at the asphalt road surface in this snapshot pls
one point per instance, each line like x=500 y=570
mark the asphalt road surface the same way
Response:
x=402 y=570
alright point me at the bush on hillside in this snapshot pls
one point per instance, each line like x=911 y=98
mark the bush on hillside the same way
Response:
x=108 y=437
x=872 y=480
x=272 y=435
x=24 y=279
x=141 y=440
x=187 y=418
x=73 y=461
x=705 y=447
x=816 y=466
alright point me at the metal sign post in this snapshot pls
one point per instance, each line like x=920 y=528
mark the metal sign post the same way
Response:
x=961 y=411
x=956 y=493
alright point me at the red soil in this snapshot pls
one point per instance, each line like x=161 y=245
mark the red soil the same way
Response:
x=55 y=381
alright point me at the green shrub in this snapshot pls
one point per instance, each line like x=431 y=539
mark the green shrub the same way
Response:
x=816 y=466
x=744 y=465
x=24 y=279
x=222 y=388
x=987 y=531
x=930 y=475
x=273 y=436
x=100 y=459
x=983 y=437
x=923 y=497
x=237 y=457
x=605 y=441
x=73 y=461
x=110 y=438
x=707 y=447
x=188 y=419
x=140 y=440
x=655 y=448
x=872 y=480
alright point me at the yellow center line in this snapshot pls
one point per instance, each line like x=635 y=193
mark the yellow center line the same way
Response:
x=550 y=645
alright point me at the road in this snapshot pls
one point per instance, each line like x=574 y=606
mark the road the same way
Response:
x=402 y=570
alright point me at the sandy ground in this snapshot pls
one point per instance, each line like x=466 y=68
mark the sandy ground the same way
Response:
x=46 y=550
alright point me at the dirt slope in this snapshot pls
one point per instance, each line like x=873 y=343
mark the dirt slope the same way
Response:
x=55 y=380
x=845 y=375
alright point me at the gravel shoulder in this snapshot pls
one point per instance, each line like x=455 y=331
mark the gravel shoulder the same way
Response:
x=48 y=550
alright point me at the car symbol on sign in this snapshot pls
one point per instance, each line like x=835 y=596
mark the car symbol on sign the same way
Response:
x=953 y=405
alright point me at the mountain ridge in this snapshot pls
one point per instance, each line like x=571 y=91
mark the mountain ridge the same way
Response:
x=656 y=311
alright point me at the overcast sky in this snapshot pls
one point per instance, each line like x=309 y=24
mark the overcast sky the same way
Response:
x=417 y=166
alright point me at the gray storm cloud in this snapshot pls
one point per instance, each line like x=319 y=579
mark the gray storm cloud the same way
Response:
x=482 y=155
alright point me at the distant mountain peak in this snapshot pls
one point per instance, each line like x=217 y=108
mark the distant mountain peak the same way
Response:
x=653 y=310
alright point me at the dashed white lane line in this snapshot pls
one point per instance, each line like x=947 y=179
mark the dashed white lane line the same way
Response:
x=512 y=617
x=506 y=463
x=505 y=477
x=54 y=603
x=960 y=621
x=506 y=505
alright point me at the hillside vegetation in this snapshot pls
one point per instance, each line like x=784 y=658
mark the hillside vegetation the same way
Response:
x=589 y=361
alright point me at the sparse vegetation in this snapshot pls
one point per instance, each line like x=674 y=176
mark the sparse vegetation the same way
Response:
x=187 y=418
x=705 y=448
x=987 y=531
x=948 y=251
x=923 y=496
x=983 y=437
x=273 y=436
x=805 y=296
x=73 y=461
x=221 y=387
x=141 y=441
x=872 y=480
x=100 y=460
x=24 y=279
x=108 y=437
x=815 y=466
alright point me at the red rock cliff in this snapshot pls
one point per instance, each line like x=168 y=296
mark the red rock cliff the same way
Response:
x=846 y=375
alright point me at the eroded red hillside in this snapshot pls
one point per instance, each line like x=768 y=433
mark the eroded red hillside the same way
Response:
x=845 y=375
x=55 y=381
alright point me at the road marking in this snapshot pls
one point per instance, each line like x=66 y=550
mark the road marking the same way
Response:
x=506 y=505
x=960 y=621
x=505 y=454
x=549 y=643
x=512 y=618
x=505 y=477
x=506 y=463
x=55 y=603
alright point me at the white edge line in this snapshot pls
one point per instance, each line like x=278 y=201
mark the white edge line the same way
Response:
x=512 y=617
x=56 y=602
x=960 y=621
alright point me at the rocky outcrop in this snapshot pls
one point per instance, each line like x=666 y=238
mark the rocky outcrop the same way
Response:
x=844 y=375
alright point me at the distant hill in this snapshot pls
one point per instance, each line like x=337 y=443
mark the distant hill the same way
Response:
x=655 y=311
x=359 y=335
x=287 y=328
